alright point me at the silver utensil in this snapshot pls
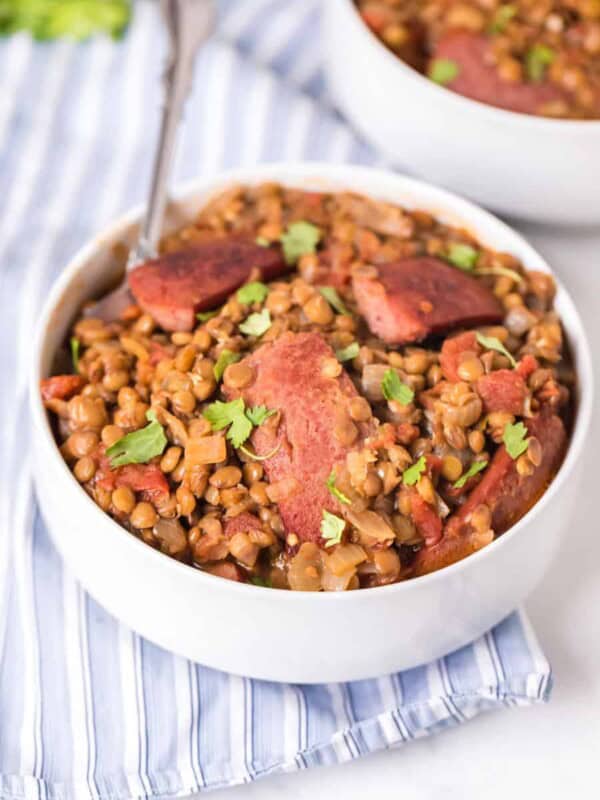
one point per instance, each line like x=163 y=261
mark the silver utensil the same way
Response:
x=189 y=23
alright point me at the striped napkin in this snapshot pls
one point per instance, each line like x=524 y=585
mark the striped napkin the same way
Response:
x=87 y=708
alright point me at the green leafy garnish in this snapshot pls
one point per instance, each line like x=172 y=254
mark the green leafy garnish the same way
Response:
x=256 y=324
x=204 y=316
x=258 y=581
x=462 y=256
x=262 y=241
x=502 y=17
x=492 y=343
x=334 y=300
x=75 y=344
x=299 y=239
x=226 y=357
x=238 y=418
x=393 y=388
x=514 y=439
x=335 y=491
x=475 y=467
x=254 y=292
x=443 y=71
x=332 y=528
x=537 y=59
x=77 y=19
x=347 y=353
x=411 y=475
x=258 y=414
x=139 y=447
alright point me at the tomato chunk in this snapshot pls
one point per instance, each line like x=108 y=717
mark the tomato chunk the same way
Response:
x=61 y=387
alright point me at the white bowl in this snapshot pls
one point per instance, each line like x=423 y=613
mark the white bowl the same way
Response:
x=530 y=167
x=283 y=635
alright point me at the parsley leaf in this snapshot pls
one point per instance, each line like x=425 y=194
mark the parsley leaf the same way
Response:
x=258 y=414
x=299 y=239
x=334 y=490
x=537 y=59
x=514 y=439
x=235 y=416
x=332 y=528
x=411 y=475
x=226 y=357
x=443 y=71
x=348 y=353
x=75 y=344
x=492 y=343
x=462 y=256
x=334 y=300
x=256 y=324
x=204 y=316
x=139 y=447
x=502 y=17
x=258 y=581
x=393 y=388
x=475 y=467
x=253 y=292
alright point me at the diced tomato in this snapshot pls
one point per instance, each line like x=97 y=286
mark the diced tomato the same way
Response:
x=406 y=433
x=145 y=478
x=427 y=522
x=452 y=352
x=61 y=387
x=526 y=366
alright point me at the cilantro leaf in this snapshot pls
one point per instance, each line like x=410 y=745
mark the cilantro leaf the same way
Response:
x=492 y=343
x=221 y=414
x=443 y=71
x=332 y=528
x=462 y=256
x=393 y=388
x=75 y=344
x=239 y=430
x=253 y=292
x=299 y=239
x=204 y=316
x=258 y=581
x=502 y=17
x=335 y=491
x=226 y=357
x=475 y=467
x=411 y=475
x=258 y=414
x=348 y=353
x=139 y=447
x=334 y=300
x=537 y=59
x=514 y=439
x=256 y=324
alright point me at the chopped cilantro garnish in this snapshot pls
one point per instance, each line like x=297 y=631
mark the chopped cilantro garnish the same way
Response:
x=256 y=324
x=334 y=300
x=537 y=59
x=204 y=316
x=237 y=417
x=334 y=490
x=332 y=528
x=411 y=475
x=139 y=447
x=514 y=439
x=475 y=467
x=258 y=414
x=443 y=71
x=347 y=353
x=299 y=239
x=226 y=357
x=502 y=17
x=492 y=343
x=393 y=388
x=254 y=292
x=462 y=256
x=75 y=344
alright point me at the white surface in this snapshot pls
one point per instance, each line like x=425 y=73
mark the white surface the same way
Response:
x=452 y=141
x=290 y=639
x=550 y=751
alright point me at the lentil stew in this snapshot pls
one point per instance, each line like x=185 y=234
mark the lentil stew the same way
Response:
x=359 y=395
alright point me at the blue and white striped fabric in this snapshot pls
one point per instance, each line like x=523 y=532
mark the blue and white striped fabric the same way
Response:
x=87 y=708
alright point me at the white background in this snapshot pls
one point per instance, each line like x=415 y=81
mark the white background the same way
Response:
x=550 y=751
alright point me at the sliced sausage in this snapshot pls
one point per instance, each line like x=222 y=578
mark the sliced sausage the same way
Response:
x=413 y=298
x=478 y=77
x=507 y=494
x=502 y=390
x=243 y=523
x=314 y=433
x=61 y=387
x=175 y=286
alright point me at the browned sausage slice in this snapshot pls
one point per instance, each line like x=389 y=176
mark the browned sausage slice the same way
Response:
x=175 y=286
x=479 y=79
x=415 y=297
x=314 y=432
x=507 y=494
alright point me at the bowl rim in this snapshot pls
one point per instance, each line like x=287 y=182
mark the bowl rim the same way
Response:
x=336 y=175
x=505 y=115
